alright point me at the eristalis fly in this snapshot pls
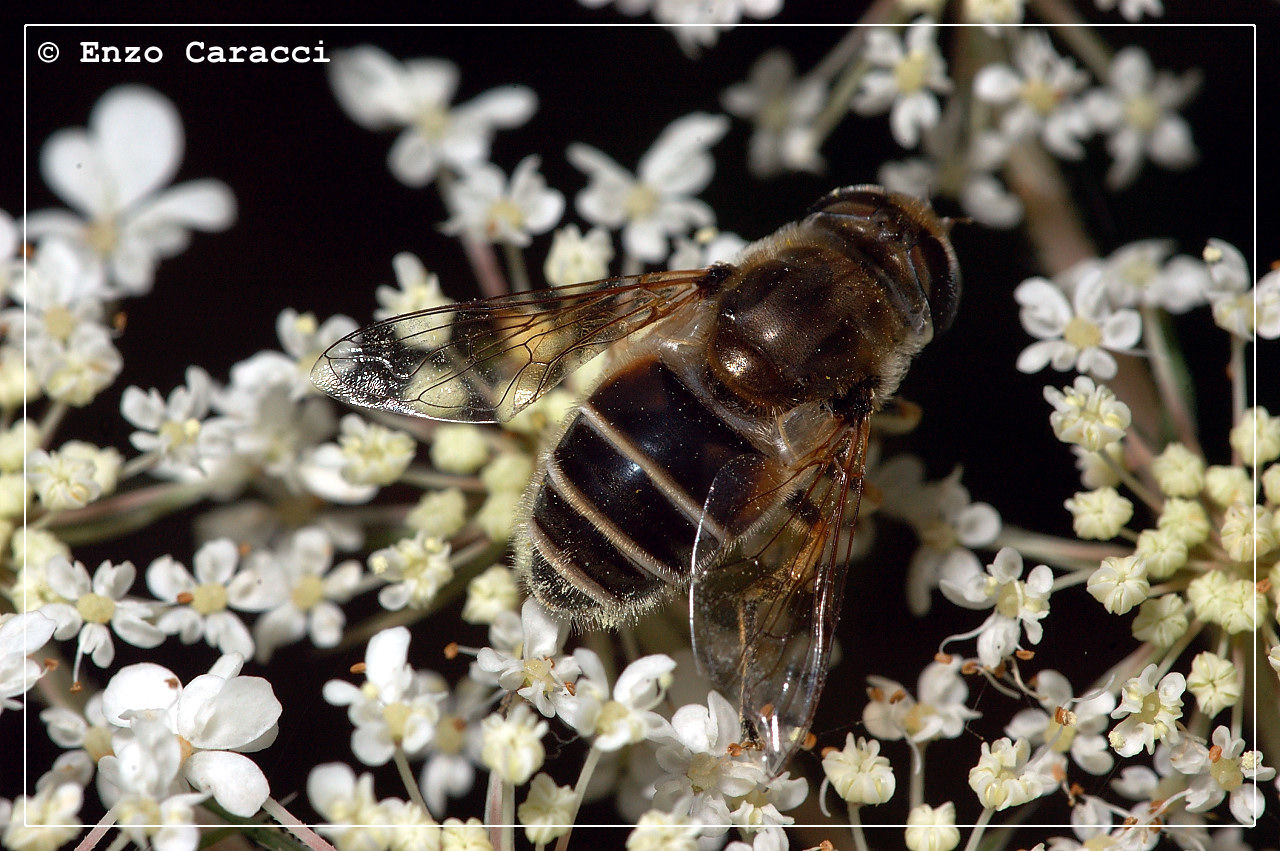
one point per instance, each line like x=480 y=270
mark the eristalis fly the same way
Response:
x=723 y=451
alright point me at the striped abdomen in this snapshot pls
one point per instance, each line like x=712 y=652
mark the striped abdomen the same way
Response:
x=612 y=520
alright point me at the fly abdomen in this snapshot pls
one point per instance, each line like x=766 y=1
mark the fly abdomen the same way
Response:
x=614 y=516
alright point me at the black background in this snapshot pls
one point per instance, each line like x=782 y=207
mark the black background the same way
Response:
x=320 y=217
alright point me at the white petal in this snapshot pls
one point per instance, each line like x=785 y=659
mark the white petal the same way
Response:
x=997 y=84
x=372 y=745
x=139 y=134
x=237 y=784
x=505 y=106
x=205 y=205
x=386 y=656
x=911 y=116
x=412 y=159
x=368 y=84
x=218 y=714
x=1171 y=144
x=139 y=687
x=1036 y=356
x=72 y=167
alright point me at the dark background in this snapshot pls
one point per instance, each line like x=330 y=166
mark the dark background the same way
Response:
x=320 y=217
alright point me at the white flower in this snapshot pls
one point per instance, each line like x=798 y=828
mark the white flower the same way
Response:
x=905 y=78
x=1139 y=112
x=1086 y=414
x=113 y=174
x=373 y=454
x=1228 y=485
x=176 y=429
x=489 y=594
x=1256 y=437
x=546 y=811
x=379 y=92
x=310 y=589
x=1017 y=605
x=625 y=718
x=1039 y=95
x=1255 y=311
x=417 y=290
x=1099 y=514
x=485 y=206
x=783 y=109
x=1215 y=682
x=950 y=527
x=858 y=773
x=1067 y=724
x=1006 y=776
x=459 y=448
x=1142 y=273
x=202 y=597
x=58 y=289
x=1186 y=519
x=20 y=636
x=355 y=820
x=439 y=514
x=526 y=657
x=992 y=12
x=139 y=779
x=695 y=23
x=938 y=713
x=656 y=203
x=1178 y=471
x=1161 y=620
x=512 y=746
x=416 y=569
x=1150 y=712
x=77 y=369
x=45 y=821
x=88 y=733
x=707 y=247
x=451 y=757
x=1246 y=532
x=92 y=604
x=61 y=480
x=1133 y=10
x=575 y=258
x=1225 y=769
x=664 y=831
x=395 y=708
x=701 y=770
x=1119 y=583
x=219 y=715
x=932 y=828
x=1075 y=334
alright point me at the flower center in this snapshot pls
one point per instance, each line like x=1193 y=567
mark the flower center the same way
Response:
x=96 y=608
x=449 y=731
x=911 y=71
x=504 y=210
x=1009 y=601
x=775 y=114
x=432 y=122
x=1040 y=96
x=1059 y=737
x=1227 y=774
x=396 y=715
x=1142 y=112
x=59 y=322
x=914 y=719
x=612 y=715
x=102 y=236
x=704 y=772
x=307 y=591
x=182 y=433
x=97 y=742
x=641 y=202
x=208 y=599
x=940 y=535
x=1082 y=333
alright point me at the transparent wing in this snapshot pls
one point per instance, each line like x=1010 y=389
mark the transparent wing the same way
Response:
x=770 y=563
x=484 y=361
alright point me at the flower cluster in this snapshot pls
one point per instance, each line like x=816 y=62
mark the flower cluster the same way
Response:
x=307 y=518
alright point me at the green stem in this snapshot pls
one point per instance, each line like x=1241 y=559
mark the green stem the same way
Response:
x=579 y=792
x=406 y=777
x=517 y=271
x=979 y=826
x=916 y=794
x=1162 y=365
x=855 y=827
x=49 y=423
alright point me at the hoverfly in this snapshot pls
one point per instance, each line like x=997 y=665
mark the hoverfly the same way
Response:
x=723 y=451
